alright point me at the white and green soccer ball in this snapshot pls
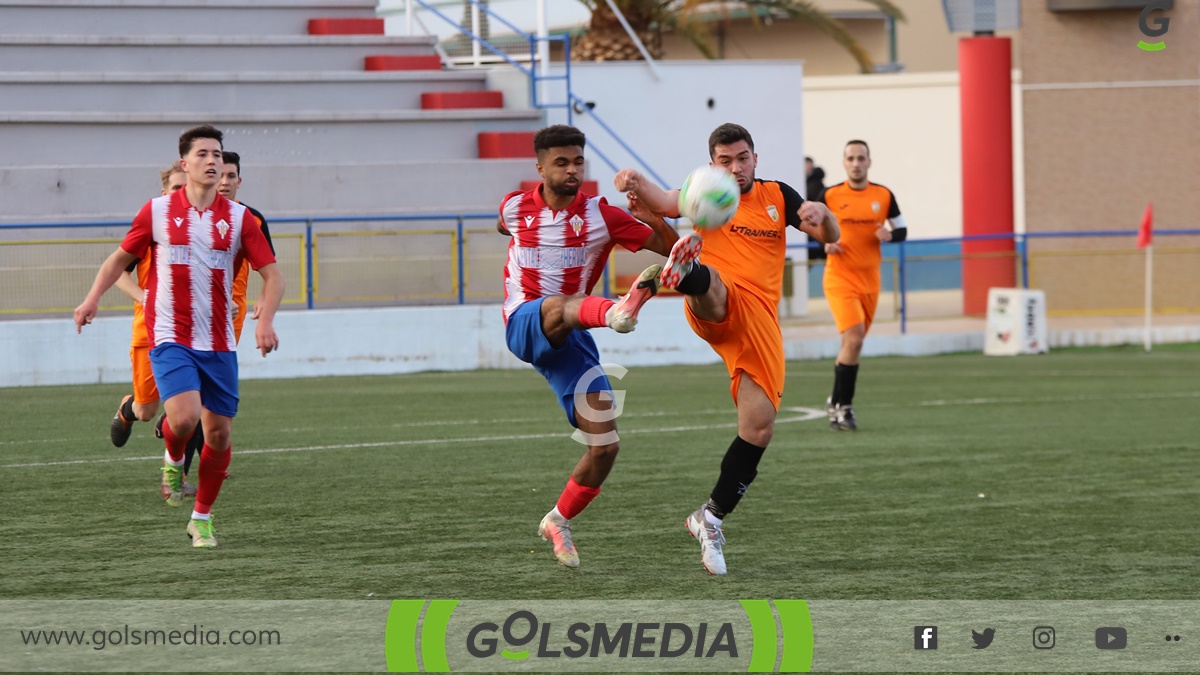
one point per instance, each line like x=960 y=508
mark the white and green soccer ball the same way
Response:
x=709 y=197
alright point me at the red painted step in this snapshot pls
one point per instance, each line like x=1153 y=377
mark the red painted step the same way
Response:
x=388 y=62
x=590 y=187
x=345 y=26
x=506 y=144
x=450 y=100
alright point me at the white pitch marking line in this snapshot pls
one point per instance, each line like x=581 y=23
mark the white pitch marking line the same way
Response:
x=805 y=414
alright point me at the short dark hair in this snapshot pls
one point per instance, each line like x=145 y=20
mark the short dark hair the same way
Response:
x=728 y=134
x=204 y=131
x=233 y=158
x=558 y=136
x=858 y=142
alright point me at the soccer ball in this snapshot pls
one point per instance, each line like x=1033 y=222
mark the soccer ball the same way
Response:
x=709 y=197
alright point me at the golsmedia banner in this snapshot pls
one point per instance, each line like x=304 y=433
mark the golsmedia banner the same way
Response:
x=450 y=635
x=739 y=636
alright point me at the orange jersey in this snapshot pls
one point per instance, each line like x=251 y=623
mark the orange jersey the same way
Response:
x=241 y=280
x=751 y=248
x=141 y=337
x=860 y=213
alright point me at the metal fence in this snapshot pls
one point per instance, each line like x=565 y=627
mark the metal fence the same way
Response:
x=349 y=261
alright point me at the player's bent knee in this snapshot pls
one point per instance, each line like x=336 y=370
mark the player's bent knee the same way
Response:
x=218 y=439
x=760 y=436
x=607 y=451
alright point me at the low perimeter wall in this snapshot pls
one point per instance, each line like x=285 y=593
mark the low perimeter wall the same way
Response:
x=413 y=339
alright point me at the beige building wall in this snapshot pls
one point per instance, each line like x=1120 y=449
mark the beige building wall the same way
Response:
x=1108 y=128
x=923 y=41
x=911 y=121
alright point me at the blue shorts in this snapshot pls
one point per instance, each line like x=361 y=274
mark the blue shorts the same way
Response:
x=178 y=369
x=564 y=367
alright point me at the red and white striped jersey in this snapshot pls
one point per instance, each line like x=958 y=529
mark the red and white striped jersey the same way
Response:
x=561 y=252
x=193 y=256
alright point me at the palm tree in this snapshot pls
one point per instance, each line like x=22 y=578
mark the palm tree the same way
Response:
x=607 y=39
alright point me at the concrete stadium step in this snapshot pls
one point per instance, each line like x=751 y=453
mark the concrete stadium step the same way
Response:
x=166 y=17
x=52 y=194
x=241 y=92
x=166 y=53
x=48 y=138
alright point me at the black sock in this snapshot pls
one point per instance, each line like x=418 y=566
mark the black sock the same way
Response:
x=738 y=470
x=195 y=443
x=127 y=410
x=844 y=379
x=695 y=282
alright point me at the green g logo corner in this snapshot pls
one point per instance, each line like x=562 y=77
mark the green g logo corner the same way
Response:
x=1160 y=25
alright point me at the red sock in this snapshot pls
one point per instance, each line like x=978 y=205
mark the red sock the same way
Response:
x=592 y=311
x=213 y=464
x=176 y=447
x=575 y=498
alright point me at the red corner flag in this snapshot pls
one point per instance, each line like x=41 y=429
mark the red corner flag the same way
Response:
x=1146 y=231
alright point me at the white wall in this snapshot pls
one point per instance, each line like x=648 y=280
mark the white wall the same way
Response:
x=911 y=122
x=667 y=120
x=417 y=339
x=338 y=342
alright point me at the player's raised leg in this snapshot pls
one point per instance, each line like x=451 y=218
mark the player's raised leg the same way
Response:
x=705 y=293
x=563 y=314
x=622 y=316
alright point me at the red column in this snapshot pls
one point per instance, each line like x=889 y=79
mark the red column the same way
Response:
x=985 y=90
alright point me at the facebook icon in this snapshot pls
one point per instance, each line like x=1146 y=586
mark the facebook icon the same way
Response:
x=925 y=637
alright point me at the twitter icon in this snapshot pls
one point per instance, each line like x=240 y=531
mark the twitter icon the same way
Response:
x=984 y=639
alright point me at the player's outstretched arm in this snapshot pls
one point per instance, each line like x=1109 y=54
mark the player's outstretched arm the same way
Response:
x=658 y=200
x=664 y=236
x=129 y=287
x=109 y=272
x=265 y=338
x=818 y=222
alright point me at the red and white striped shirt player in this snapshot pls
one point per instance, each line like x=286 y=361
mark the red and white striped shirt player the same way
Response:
x=193 y=240
x=561 y=252
x=561 y=239
x=193 y=258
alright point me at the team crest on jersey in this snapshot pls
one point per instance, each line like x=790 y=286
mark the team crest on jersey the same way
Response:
x=222 y=227
x=773 y=212
x=875 y=207
x=529 y=221
x=576 y=223
x=178 y=222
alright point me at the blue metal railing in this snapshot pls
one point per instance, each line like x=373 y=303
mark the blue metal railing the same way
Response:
x=572 y=103
x=902 y=251
x=1020 y=250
